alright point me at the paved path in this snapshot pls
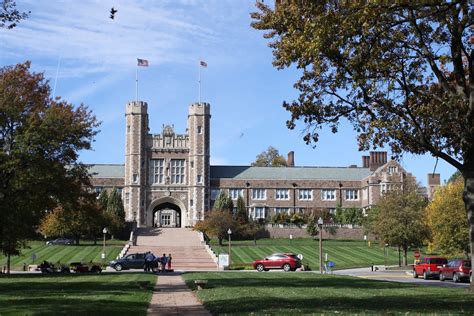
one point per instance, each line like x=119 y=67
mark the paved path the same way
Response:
x=400 y=276
x=171 y=296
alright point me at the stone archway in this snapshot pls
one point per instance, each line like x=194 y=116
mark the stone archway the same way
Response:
x=166 y=215
x=166 y=212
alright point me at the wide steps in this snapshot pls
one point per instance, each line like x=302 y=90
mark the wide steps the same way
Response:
x=184 y=245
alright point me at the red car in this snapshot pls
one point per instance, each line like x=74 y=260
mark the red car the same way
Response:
x=457 y=270
x=285 y=261
x=429 y=267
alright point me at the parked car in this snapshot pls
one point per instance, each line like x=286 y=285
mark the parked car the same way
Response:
x=429 y=267
x=285 y=261
x=458 y=270
x=60 y=241
x=80 y=267
x=131 y=261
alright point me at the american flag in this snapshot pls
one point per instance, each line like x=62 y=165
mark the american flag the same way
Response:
x=203 y=63
x=142 y=62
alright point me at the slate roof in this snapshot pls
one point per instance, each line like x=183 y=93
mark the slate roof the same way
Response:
x=289 y=173
x=255 y=173
x=107 y=171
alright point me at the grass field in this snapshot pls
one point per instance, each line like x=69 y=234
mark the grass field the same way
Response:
x=310 y=293
x=103 y=294
x=346 y=254
x=85 y=252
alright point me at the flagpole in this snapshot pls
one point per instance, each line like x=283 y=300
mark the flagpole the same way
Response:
x=136 y=83
x=199 y=81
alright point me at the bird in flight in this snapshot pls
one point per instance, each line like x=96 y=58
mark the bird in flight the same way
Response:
x=112 y=13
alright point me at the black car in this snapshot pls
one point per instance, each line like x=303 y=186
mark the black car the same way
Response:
x=131 y=261
x=60 y=241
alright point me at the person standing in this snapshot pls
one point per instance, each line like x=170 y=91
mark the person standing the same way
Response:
x=149 y=259
x=169 y=261
x=164 y=261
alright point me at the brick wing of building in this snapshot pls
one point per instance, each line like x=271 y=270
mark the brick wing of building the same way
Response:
x=167 y=179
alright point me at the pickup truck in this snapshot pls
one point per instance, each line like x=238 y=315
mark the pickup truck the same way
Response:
x=429 y=267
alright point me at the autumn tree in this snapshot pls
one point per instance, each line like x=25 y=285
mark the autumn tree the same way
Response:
x=216 y=224
x=115 y=212
x=400 y=72
x=9 y=14
x=450 y=230
x=400 y=219
x=270 y=158
x=39 y=143
x=79 y=218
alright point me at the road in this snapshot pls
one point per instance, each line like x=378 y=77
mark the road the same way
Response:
x=397 y=276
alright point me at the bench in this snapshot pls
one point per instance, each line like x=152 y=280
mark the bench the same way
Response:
x=200 y=284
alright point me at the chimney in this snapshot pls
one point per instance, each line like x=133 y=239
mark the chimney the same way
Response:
x=377 y=159
x=434 y=181
x=365 y=161
x=291 y=159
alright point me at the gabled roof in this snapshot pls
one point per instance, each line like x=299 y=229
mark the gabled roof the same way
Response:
x=289 y=173
x=107 y=171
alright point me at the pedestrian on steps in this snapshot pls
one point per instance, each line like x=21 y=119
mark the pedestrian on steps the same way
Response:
x=164 y=261
x=169 y=261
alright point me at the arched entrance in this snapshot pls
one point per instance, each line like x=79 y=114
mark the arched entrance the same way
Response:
x=166 y=212
x=166 y=215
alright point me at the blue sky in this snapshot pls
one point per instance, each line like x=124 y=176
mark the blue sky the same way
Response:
x=97 y=65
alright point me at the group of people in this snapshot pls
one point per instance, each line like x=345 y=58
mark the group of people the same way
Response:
x=163 y=262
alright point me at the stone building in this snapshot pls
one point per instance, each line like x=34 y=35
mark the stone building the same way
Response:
x=167 y=179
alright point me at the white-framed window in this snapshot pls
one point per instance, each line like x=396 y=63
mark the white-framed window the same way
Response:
x=157 y=171
x=235 y=193
x=328 y=194
x=332 y=211
x=385 y=187
x=135 y=178
x=282 y=194
x=177 y=170
x=259 y=194
x=259 y=212
x=215 y=194
x=305 y=194
x=98 y=189
x=282 y=210
x=199 y=178
x=352 y=194
x=392 y=169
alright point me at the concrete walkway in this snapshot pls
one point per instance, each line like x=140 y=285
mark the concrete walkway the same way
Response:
x=171 y=296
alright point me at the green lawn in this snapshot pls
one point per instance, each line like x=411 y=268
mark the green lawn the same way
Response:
x=102 y=294
x=306 y=293
x=85 y=252
x=346 y=254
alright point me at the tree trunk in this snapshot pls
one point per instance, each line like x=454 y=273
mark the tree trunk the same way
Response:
x=8 y=264
x=468 y=197
x=405 y=255
x=220 y=241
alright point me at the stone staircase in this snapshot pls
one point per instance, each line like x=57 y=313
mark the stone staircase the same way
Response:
x=185 y=246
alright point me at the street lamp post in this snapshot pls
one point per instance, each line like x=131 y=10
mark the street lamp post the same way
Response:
x=320 y=226
x=104 y=231
x=229 y=232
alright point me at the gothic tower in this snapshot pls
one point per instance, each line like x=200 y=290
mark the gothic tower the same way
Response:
x=199 y=160
x=136 y=121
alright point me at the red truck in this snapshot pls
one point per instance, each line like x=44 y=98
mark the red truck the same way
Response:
x=429 y=267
